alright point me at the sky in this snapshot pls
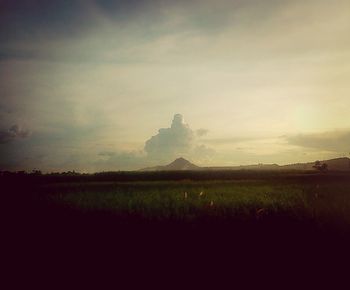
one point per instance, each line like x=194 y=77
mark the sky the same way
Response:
x=101 y=85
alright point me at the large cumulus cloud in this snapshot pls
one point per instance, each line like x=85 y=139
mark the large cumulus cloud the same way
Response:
x=176 y=140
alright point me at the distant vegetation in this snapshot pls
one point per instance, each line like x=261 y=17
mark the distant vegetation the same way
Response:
x=72 y=176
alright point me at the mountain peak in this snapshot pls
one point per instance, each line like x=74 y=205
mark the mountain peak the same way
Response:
x=181 y=164
x=178 y=164
x=180 y=160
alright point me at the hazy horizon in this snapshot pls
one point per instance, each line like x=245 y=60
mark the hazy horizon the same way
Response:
x=120 y=85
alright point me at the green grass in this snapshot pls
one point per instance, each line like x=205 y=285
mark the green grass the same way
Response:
x=325 y=204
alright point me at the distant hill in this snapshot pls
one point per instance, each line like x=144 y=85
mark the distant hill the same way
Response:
x=178 y=164
x=333 y=164
x=340 y=164
x=245 y=167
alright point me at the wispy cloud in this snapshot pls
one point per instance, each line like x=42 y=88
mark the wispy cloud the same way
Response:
x=121 y=160
x=201 y=132
x=231 y=140
x=13 y=133
x=338 y=141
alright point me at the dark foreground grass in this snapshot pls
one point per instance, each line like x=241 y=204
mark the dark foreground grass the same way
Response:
x=270 y=227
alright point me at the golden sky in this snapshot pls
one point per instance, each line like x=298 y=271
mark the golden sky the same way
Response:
x=85 y=86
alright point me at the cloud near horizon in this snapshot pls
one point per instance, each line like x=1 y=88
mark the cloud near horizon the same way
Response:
x=13 y=133
x=335 y=141
x=173 y=141
x=179 y=140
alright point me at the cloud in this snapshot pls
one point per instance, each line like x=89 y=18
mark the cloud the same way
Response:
x=107 y=153
x=15 y=132
x=202 y=153
x=201 y=132
x=337 y=141
x=179 y=140
x=232 y=140
x=170 y=142
x=50 y=152
x=110 y=161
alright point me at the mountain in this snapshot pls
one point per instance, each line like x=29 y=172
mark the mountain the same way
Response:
x=337 y=164
x=178 y=164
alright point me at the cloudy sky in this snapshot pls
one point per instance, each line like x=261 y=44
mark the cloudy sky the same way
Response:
x=96 y=84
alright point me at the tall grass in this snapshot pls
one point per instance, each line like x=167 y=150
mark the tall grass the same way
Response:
x=324 y=204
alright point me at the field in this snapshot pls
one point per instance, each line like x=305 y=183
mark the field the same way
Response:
x=185 y=220
x=320 y=201
x=325 y=205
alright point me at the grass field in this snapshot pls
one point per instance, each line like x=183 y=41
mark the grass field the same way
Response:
x=325 y=204
x=271 y=223
x=237 y=200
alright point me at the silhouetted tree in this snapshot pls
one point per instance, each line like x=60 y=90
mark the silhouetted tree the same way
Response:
x=36 y=172
x=322 y=167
